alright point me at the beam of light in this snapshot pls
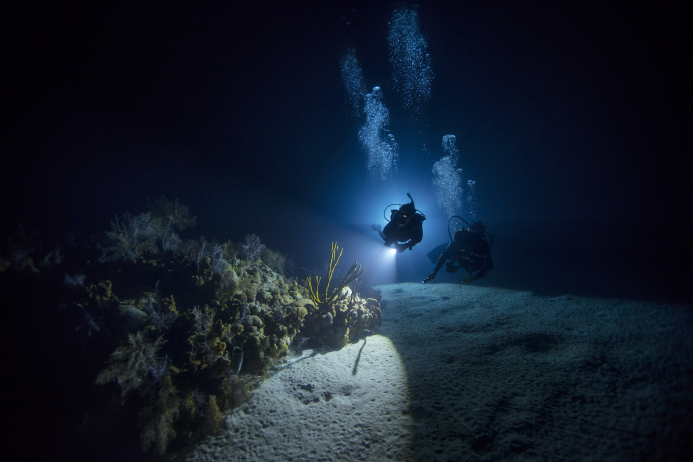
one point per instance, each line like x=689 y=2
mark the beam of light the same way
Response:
x=383 y=270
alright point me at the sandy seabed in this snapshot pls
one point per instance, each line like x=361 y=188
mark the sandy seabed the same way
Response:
x=462 y=373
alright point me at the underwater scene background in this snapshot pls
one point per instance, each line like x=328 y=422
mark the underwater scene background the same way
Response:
x=191 y=197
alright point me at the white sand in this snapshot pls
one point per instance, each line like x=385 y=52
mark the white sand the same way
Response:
x=470 y=373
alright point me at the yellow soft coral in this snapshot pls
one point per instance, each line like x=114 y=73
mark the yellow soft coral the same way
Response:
x=333 y=263
x=330 y=298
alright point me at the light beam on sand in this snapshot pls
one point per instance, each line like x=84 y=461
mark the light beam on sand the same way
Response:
x=349 y=404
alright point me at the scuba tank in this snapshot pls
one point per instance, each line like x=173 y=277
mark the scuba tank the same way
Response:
x=434 y=254
x=484 y=235
x=393 y=211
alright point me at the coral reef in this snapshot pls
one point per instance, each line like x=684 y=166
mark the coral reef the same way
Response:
x=200 y=323
x=157 y=419
x=134 y=366
x=147 y=233
x=251 y=248
x=341 y=315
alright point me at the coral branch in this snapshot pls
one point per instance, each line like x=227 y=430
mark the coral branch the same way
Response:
x=314 y=294
x=331 y=297
x=354 y=272
x=333 y=264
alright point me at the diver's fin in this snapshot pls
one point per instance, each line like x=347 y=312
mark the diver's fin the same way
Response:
x=436 y=253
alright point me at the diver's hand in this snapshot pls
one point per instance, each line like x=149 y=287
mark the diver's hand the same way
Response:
x=467 y=281
x=431 y=277
x=376 y=227
x=403 y=246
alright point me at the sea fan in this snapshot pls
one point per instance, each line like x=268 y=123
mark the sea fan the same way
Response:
x=252 y=248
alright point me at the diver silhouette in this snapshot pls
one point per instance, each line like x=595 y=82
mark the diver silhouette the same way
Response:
x=404 y=229
x=472 y=252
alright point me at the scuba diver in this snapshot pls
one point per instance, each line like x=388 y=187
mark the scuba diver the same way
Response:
x=472 y=252
x=405 y=225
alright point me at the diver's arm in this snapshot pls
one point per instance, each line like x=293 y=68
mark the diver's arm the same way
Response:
x=417 y=234
x=444 y=257
x=486 y=268
x=387 y=233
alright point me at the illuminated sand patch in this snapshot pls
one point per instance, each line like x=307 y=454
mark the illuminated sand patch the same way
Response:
x=464 y=373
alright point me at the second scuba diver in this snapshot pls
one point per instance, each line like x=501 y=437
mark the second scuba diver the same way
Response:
x=471 y=250
x=405 y=227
